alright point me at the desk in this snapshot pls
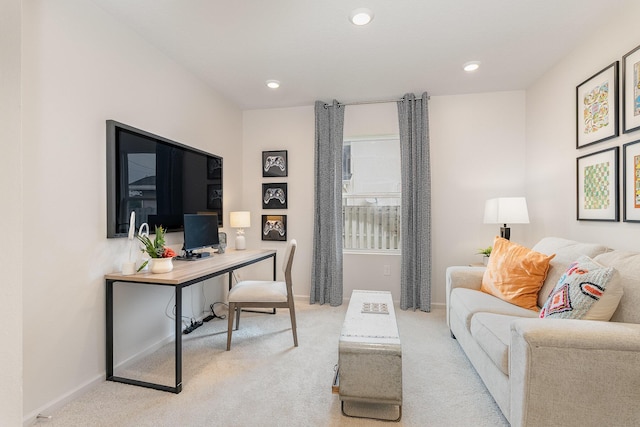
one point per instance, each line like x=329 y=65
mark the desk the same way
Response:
x=184 y=273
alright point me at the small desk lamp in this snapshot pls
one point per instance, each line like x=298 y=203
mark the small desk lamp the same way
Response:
x=240 y=220
x=505 y=210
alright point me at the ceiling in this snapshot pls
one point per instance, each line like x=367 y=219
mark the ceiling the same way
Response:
x=317 y=54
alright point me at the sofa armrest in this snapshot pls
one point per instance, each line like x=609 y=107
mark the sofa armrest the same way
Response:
x=462 y=277
x=578 y=372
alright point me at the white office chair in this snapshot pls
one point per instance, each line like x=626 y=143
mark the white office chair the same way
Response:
x=265 y=294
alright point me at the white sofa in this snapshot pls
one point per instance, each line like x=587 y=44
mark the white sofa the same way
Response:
x=546 y=372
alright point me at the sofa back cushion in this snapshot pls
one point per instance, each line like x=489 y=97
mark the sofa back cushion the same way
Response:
x=628 y=266
x=566 y=251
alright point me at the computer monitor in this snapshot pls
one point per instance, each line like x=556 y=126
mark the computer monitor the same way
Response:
x=200 y=231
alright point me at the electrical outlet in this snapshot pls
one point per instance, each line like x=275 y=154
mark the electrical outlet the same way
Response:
x=387 y=270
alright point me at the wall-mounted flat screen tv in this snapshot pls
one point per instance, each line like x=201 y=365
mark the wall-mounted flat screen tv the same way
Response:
x=159 y=179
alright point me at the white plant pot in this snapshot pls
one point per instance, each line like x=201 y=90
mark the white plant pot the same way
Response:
x=161 y=265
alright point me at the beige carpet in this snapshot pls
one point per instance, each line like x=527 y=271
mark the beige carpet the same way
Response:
x=266 y=381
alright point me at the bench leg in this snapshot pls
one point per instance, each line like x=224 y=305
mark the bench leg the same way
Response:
x=371 y=418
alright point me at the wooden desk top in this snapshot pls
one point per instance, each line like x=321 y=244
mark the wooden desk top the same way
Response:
x=185 y=271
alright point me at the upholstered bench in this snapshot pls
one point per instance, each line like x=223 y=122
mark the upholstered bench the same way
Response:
x=369 y=352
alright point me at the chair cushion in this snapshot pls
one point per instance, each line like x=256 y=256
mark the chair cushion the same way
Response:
x=258 y=291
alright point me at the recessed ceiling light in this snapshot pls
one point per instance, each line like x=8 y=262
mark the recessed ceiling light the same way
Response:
x=273 y=84
x=361 y=16
x=471 y=66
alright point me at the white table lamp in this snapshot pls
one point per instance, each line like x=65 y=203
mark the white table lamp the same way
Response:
x=240 y=220
x=505 y=210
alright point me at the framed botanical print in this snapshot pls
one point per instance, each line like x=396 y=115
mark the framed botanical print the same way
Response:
x=274 y=163
x=631 y=181
x=631 y=91
x=597 y=186
x=274 y=227
x=597 y=107
x=274 y=195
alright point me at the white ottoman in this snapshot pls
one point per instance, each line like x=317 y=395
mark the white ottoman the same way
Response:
x=369 y=352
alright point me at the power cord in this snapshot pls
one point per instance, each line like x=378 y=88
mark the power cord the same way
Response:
x=213 y=314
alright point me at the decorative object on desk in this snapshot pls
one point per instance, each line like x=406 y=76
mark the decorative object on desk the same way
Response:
x=222 y=242
x=274 y=227
x=161 y=256
x=598 y=186
x=274 y=163
x=274 y=195
x=240 y=220
x=486 y=253
x=505 y=210
x=597 y=107
x=129 y=266
x=631 y=91
x=631 y=177
x=144 y=258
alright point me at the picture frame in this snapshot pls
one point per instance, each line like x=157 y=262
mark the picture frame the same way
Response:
x=274 y=227
x=214 y=198
x=214 y=168
x=597 y=107
x=631 y=91
x=631 y=181
x=275 y=163
x=274 y=195
x=222 y=242
x=597 y=186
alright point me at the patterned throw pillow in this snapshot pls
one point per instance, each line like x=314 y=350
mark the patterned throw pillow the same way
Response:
x=587 y=290
x=515 y=274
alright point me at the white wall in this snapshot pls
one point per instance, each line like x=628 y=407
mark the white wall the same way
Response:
x=477 y=152
x=80 y=68
x=11 y=208
x=551 y=137
x=288 y=129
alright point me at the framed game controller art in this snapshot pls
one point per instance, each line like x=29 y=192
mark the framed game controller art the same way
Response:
x=274 y=195
x=274 y=227
x=274 y=163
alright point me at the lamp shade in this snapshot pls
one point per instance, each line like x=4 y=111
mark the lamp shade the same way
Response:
x=241 y=219
x=506 y=210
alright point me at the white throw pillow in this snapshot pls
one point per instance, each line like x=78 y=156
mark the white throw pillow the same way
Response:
x=587 y=290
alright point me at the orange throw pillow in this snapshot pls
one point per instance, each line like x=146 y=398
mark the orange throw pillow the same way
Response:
x=515 y=274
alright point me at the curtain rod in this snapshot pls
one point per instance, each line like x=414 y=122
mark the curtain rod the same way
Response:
x=342 y=104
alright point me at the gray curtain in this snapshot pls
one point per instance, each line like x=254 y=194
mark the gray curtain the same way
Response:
x=326 y=272
x=415 y=270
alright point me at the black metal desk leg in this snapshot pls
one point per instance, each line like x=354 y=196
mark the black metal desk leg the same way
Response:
x=274 y=267
x=109 y=349
x=178 y=339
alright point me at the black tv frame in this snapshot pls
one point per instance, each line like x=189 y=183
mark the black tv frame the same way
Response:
x=112 y=127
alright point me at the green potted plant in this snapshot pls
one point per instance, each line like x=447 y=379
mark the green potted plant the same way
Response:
x=161 y=256
x=486 y=253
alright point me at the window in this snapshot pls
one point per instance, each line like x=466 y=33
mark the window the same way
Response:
x=371 y=194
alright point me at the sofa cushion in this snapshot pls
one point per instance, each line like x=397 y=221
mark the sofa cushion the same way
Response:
x=628 y=266
x=515 y=274
x=467 y=302
x=587 y=290
x=566 y=252
x=492 y=332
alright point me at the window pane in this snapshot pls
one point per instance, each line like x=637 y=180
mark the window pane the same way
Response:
x=371 y=194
